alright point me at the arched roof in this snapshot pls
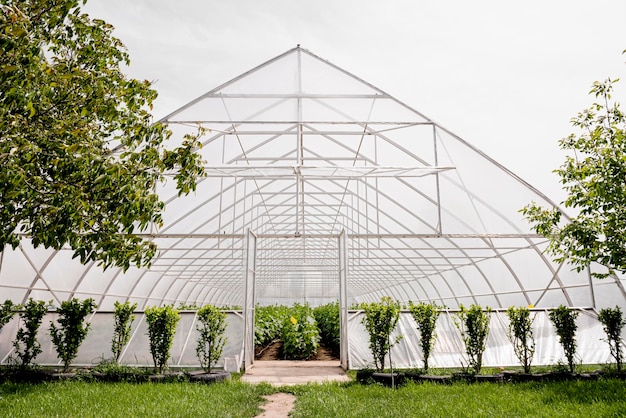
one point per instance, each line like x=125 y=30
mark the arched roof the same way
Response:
x=300 y=151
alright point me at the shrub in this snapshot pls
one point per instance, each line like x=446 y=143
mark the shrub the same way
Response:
x=300 y=334
x=211 y=341
x=613 y=322
x=72 y=330
x=564 y=320
x=26 y=345
x=473 y=323
x=327 y=318
x=380 y=320
x=124 y=318
x=162 y=323
x=520 y=332
x=7 y=310
x=425 y=316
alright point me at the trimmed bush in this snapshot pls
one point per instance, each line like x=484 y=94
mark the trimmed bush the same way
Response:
x=380 y=320
x=162 y=323
x=72 y=329
x=425 y=316
x=473 y=323
x=124 y=318
x=211 y=326
x=613 y=322
x=564 y=321
x=520 y=332
x=27 y=348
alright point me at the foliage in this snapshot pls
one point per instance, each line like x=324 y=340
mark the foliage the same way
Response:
x=80 y=156
x=162 y=323
x=26 y=345
x=564 y=321
x=211 y=341
x=473 y=323
x=327 y=318
x=380 y=320
x=594 y=181
x=124 y=317
x=613 y=322
x=7 y=310
x=299 y=333
x=520 y=333
x=72 y=329
x=268 y=323
x=425 y=316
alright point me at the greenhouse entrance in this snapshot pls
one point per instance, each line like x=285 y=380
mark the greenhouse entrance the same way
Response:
x=290 y=269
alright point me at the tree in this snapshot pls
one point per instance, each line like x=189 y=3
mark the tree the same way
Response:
x=211 y=340
x=520 y=332
x=613 y=322
x=380 y=319
x=80 y=156
x=70 y=331
x=473 y=323
x=124 y=317
x=425 y=316
x=594 y=181
x=564 y=321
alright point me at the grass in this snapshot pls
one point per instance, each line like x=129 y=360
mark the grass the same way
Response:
x=602 y=398
x=93 y=399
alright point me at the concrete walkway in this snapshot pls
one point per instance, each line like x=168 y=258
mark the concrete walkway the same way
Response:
x=290 y=372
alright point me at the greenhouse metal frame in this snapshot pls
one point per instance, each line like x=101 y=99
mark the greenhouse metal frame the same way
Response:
x=322 y=187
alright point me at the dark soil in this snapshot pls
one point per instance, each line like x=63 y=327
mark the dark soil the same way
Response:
x=274 y=352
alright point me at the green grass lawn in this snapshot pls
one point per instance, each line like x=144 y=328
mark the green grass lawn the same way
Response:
x=603 y=398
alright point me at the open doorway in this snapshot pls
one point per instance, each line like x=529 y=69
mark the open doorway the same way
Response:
x=288 y=279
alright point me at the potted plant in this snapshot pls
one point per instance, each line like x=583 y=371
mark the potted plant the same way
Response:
x=380 y=319
x=71 y=330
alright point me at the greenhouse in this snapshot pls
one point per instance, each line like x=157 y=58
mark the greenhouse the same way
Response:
x=321 y=187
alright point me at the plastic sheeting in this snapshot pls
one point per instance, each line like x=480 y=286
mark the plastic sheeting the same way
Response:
x=449 y=350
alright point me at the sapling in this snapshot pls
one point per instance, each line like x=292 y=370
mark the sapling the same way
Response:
x=380 y=320
x=613 y=322
x=425 y=316
x=72 y=329
x=124 y=317
x=162 y=323
x=520 y=332
x=211 y=326
x=473 y=323
x=26 y=345
x=564 y=321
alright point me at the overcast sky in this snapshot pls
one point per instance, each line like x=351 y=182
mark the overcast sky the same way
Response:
x=507 y=76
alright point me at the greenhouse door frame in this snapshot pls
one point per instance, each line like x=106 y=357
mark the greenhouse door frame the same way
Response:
x=250 y=298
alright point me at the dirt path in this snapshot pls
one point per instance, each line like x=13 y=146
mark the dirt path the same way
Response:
x=273 y=352
x=278 y=405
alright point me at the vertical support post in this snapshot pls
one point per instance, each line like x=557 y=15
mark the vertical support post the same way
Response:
x=249 y=300
x=343 y=301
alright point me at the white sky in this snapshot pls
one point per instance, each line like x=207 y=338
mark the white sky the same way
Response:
x=506 y=76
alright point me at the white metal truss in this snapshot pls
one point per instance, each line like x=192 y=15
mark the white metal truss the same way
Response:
x=307 y=155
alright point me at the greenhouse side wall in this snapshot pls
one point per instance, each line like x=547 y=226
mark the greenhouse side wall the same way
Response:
x=97 y=345
x=449 y=351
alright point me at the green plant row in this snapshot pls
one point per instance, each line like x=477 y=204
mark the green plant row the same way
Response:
x=380 y=319
x=71 y=328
